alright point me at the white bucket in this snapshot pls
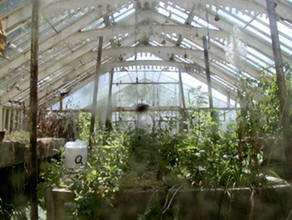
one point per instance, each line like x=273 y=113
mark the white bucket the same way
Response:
x=75 y=155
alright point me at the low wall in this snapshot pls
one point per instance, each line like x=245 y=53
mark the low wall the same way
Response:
x=13 y=168
x=273 y=202
x=14 y=153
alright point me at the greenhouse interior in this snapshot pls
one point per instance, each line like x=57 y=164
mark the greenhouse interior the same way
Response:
x=145 y=109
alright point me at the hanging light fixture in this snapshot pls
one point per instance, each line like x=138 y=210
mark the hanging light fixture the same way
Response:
x=217 y=18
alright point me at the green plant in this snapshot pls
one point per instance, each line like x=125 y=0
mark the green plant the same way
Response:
x=159 y=209
x=260 y=117
x=134 y=159
x=100 y=177
x=19 y=136
x=13 y=212
x=210 y=157
x=57 y=124
x=197 y=98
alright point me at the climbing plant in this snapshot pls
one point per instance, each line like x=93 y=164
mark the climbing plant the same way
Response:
x=259 y=119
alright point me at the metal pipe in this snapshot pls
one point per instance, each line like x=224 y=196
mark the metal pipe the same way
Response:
x=95 y=90
x=228 y=99
x=146 y=83
x=181 y=91
x=109 y=102
x=150 y=108
x=207 y=69
x=61 y=102
x=182 y=103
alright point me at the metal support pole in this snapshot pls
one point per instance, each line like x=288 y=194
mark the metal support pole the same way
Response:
x=5 y=112
x=228 y=99
x=208 y=76
x=278 y=61
x=9 y=119
x=207 y=67
x=182 y=102
x=61 y=102
x=24 y=118
x=108 y=122
x=33 y=172
x=282 y=91
x=12 y=119
x=181 y=91
x=95 y=90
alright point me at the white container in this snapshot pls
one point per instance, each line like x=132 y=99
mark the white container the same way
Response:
x=75 y=155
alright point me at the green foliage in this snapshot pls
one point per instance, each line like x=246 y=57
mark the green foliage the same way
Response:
x=210 y=157
x=13 y=212
x=19 y=136
x=57 y=124
x=260 y=114
x=197 y=97
x=260 y=111
x=158 y=209
x=260 y=117
x=105 y=167
x=99 y=180
x=52 y=172
x=138 y=159
x=84 y=125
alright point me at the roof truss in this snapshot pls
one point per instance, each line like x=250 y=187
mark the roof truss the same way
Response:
x=67 y=53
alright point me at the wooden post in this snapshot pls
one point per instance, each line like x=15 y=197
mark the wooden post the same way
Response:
x=108 y=122
x=33 y=173
x=282 y=91
x=95 y=90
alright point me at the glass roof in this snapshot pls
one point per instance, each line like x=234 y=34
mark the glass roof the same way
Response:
x=63 y=39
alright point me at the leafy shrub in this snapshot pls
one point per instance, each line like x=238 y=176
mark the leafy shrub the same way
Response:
x=57 y=124
x=210 y=157
x=138 y=159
